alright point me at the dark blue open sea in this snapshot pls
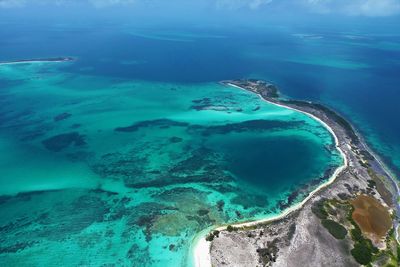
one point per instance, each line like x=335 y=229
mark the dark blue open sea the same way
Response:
x=123 y=155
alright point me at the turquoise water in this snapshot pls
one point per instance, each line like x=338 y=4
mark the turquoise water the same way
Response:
x=349 y=64
x=99 y=170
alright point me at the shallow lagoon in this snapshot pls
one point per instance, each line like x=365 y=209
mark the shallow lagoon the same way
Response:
x=124 y=172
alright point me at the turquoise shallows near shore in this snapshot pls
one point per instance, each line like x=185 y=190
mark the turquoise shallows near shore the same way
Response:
x=97 y=170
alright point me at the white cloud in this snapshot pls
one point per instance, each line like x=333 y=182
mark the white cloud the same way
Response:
x=380 y=7
x=12 y=3
x=236 y=4
x=257 y=3
x=107 y=3
x=371 y=8
x=95 y=3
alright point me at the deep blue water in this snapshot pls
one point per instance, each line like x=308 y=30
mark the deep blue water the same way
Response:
x=255 y=167
x=355 y=71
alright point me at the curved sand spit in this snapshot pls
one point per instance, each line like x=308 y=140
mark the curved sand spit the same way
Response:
x=201 y=248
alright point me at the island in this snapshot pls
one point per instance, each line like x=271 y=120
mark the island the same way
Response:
x=350 y=220
x=38 y=60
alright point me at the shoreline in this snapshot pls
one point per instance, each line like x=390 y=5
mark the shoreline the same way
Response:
x=395 y=183
x=37 y=60
x=201 y=248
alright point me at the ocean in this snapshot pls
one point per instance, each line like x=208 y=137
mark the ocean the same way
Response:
x=125 y=154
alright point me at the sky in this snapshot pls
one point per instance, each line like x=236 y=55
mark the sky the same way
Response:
x=369 y=8
x=204 y=13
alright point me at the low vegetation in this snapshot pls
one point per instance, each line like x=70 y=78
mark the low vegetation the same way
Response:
x=344 y=218
x=268 y=254
x=335 y=229
x=362 y=253
x=363 y=249
x=230 y=228
x=319 y=210
x=379 y=185
x=371 y=184
x=210 y=237
x=398 y=254
x=332 y=114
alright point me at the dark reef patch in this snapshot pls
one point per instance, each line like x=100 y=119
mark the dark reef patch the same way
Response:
x=222 y=188
x=108 y=193
x=27 y=196
x=62 y=141
x=200 y=166
x=220 y=205
x=161 y=123
x=13 y=117
x=207 y=104
x=203 y=212
x=203 y=100
x=200 y=104
x=62 y=116
x=200 y=159
x=17 y=247
x=246 y=126
x=4 y=199
x=120 y=166
x=175 y=139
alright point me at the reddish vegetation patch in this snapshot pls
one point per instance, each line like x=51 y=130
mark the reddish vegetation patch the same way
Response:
x=371 y=216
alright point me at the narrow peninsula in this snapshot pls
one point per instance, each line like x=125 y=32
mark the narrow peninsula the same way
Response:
x=350 y=220
x=38 y=60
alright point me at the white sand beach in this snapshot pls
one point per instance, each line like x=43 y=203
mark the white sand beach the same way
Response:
x=201 y=247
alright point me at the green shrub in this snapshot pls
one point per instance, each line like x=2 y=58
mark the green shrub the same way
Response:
x=357 y=235
x=210 y=237
x=230 y=228
x=319 y=210
x=398 y=252
x=371 y=183
x=363 y=248
x=362 y=253
x=335 y=229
